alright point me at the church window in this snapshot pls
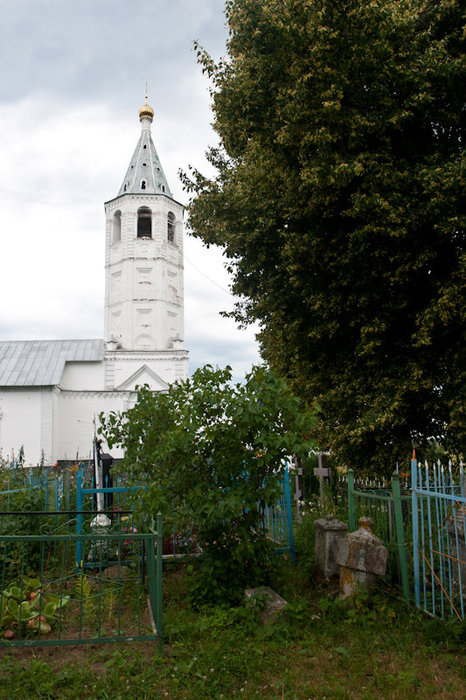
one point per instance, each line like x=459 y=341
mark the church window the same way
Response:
x=171 y=227
x=163 y=188
x=144 y=146
x=124 y=188
x=144 y=164
x=144 y=223
x=116 y=227
x=143 y=184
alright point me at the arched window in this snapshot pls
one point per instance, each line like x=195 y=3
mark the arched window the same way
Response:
x=117 y=226
x=144 y=222
x=143 y=184
x=171 y=227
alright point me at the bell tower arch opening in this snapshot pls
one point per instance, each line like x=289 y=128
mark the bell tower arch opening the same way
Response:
x=171 y=227
x=116 y=227
x=144 y=229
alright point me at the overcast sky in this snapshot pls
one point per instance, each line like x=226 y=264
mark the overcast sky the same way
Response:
x=73 y=79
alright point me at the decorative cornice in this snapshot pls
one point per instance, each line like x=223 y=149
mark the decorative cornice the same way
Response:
x=142 y=198
x=103 y=393
x=138 y=356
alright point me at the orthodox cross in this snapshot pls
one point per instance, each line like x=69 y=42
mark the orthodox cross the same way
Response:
x=322 y=472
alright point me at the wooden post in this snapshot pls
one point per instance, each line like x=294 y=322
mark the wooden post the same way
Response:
x=298 y=490
x=351 y=504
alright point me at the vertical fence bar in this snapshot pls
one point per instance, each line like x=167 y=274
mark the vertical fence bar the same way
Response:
x=287 y=499
x=446 y=543
x=57 y=498
x=159 y=577
x=457 y=545
x=415 y=516
x=45 y=481
x=430 y=531
x=79 y=518
x=400 y=537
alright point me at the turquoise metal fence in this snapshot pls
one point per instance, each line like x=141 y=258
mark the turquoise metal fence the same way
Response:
x=439 y=544
x=278 y=520
x=51 y=485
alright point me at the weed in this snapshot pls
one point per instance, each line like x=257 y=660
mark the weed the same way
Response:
x=85 y=595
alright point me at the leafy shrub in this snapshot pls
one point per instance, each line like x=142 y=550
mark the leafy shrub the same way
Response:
x=217 y=449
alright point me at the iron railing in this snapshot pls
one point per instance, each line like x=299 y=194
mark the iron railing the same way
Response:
x=118 y=599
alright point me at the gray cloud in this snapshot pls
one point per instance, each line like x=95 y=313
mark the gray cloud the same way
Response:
x=97 y=47
x=68 y=126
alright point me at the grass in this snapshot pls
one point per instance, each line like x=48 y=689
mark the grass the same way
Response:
x=319 y=648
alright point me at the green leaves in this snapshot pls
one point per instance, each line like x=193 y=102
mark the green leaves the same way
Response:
x=338 y=201
x=29 y=605
x=216 y=450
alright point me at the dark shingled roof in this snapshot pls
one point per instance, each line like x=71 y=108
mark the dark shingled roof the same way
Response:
x=41 y=362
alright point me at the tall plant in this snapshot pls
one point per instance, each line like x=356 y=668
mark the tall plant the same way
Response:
x=218 y=448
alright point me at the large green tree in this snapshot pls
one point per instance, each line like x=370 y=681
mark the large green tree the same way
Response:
x=339 y=201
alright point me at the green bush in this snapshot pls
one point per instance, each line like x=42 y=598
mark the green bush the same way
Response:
x=218 y=449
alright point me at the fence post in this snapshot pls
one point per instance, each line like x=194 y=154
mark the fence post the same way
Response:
x=400 y=535
x=45 y=481
x=154 y=576
x=415 y=516
x=289 y=515
x=159 y=576
x=351 y=504
x=79 y=517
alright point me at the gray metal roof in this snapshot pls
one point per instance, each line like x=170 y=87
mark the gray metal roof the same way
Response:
x=41 y=362
x=145 y=167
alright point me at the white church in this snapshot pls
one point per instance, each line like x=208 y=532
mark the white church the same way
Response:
x=50 y=390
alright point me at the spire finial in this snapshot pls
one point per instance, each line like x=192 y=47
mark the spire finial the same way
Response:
x=146 y=111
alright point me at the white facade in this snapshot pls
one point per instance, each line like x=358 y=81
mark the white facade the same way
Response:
x=50 y=391
x=144 y=274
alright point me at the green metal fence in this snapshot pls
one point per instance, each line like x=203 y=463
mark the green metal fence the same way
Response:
x=389 y=509
x=46 y=599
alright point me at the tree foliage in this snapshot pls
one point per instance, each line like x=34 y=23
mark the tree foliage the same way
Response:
x=339 y=201
x=217 y=450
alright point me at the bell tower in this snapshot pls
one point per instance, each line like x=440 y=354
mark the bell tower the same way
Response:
x=144 y=295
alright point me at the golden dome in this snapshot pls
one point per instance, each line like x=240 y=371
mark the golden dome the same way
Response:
x=146 y=111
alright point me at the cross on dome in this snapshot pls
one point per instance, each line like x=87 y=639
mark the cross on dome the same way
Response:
x=146 y=110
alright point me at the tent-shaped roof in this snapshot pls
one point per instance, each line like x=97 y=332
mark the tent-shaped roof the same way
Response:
x=145 y=174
